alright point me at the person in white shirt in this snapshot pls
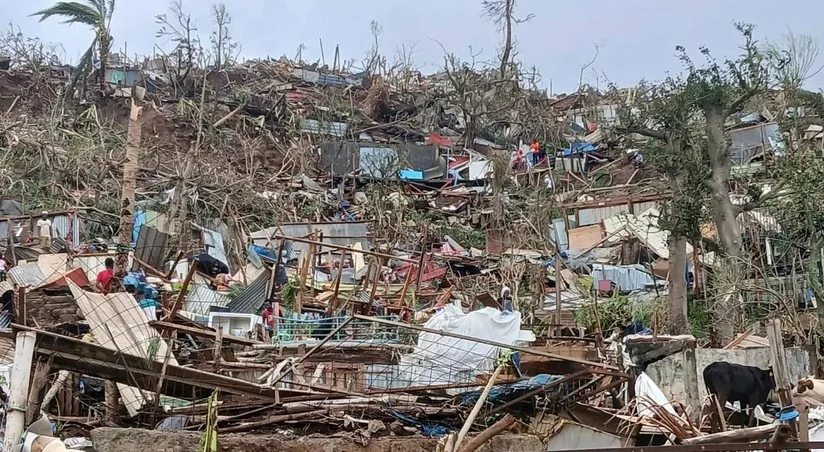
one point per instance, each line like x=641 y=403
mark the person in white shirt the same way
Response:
x=44 y=225
x=550 y=185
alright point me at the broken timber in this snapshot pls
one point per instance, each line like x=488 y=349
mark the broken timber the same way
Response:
x=91 y=359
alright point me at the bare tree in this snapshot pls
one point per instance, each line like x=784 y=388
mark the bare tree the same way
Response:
x=180 y=29
x=224 y=47
x=795 y=59
x=502 y=14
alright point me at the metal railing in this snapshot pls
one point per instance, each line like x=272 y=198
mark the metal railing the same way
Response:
x=299 y=330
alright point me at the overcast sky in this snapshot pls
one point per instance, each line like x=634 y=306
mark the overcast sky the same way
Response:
x=636 y=37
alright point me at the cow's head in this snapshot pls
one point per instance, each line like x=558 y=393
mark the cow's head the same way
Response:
x=769 y=377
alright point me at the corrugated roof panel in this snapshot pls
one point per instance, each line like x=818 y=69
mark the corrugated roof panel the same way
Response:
x=27 y=275
x=337 y=233
x=251 y=299
x=315 y=127
x=201 y=297
x=6 y=286
x=6 y=350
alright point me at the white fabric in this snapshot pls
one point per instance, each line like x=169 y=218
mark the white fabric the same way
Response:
x=648 y=395
x=151 y=312
x=441 y=359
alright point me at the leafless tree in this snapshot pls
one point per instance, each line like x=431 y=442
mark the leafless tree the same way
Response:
x=224 y=48
x=502 y=14
x=180 y=29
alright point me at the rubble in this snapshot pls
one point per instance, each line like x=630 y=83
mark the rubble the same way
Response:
x=397 y=277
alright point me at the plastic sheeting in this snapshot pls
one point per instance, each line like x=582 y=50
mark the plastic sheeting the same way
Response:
x=505 y=393
x=444 y=360
x=649 y=395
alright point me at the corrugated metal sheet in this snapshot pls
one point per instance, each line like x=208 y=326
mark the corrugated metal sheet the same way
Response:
x=27 y=275
x=201 y=297
x=118 y=323
x=338 y=233
x=587 y=217
x=6 y=350
x=251 y=299
x=378 y=163
x=213 y=241
x=6 y=286
x=150 y=247
x=315 y=127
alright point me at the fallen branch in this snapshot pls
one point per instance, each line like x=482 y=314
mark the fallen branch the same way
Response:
x=486 y=435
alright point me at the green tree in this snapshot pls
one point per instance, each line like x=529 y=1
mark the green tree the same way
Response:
x=98 y=15
x=664 y=115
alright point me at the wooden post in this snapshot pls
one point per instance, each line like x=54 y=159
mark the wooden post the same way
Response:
x=333 y=302
x=559 y=282
x=218 y=345
x=182 y=295
x=375 y=282
x=477 y=408
x=693 y=398
x=128 y=198
x=112 y=401
x=778 y=359
x=21 y=306
x=19 y=388
x=418 y=281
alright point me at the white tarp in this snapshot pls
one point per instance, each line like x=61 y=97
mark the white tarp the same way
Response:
x=649 y=394
x=441 y=359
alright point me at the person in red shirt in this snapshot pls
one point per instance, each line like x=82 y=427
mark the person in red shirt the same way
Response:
x=269 y=315
x=104 y=278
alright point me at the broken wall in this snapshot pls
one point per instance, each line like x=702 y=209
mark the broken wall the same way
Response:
x=668 y=373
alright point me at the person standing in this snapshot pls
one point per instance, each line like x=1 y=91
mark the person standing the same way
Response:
x=104 y=278
x=44 y=226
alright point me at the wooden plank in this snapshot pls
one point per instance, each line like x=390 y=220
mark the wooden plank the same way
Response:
x=322 y=245
x=95 y=360
x=198 y=332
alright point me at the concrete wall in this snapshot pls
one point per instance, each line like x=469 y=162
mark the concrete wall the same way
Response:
x=668 y=373
x=126 y=439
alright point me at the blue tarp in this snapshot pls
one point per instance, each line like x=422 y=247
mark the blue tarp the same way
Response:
x=505 y=393
x=431 y=430
x=578 y=148
x=410 y=175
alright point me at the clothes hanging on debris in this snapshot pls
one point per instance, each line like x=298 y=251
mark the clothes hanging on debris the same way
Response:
x=627 y=277
x=648 y=395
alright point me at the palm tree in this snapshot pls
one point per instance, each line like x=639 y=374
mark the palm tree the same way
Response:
x=94 y=13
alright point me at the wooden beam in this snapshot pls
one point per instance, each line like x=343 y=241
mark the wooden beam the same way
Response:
x=198 y=332
x=183 y=288
x=322 y=245
x=101 y=362
x=485 y=341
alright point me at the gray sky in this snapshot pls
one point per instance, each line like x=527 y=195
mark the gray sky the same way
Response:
x=636 y=37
